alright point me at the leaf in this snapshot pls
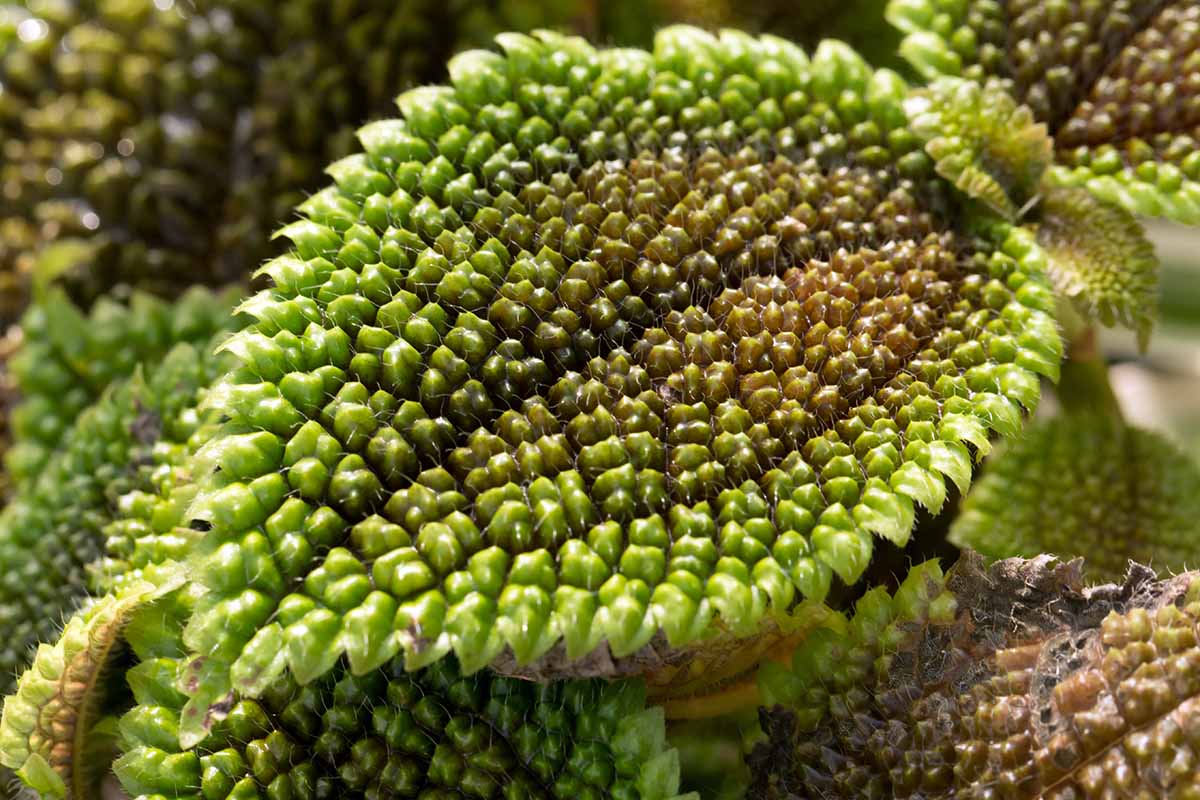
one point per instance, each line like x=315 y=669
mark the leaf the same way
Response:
x=1012 y=675
x=410 y=511
x=79 y=523
x=59 y=257
x=1100 y=259
x=859 y=23
x=982 y=141
x=1116 y=84
x=1090 y=486
x=390 y=732
x=47 y=726
x=68 y=358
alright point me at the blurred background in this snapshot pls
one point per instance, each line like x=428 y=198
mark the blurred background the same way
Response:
x=1160 y=389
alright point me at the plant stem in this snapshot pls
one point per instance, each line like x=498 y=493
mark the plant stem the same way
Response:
x=1084 y=387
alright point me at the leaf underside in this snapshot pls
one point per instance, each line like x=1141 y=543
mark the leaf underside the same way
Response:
x=48 y=725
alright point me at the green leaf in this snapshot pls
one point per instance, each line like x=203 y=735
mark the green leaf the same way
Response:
x=452 y=430
x=391 y=731
x=37 y=774
x=1114 y=84
x=47 y=730
x=990 y=147
x=58 y=258
x=1090 y=486
x=1100 y=259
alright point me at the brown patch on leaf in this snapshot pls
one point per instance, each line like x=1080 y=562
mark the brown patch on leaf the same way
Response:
x=146 y=427
x=1040 y=685
x=682 y=679
x=218 y=710
x=191 y=683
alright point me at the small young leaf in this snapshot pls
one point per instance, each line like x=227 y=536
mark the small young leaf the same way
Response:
x=1100 y=259
x=990 y=147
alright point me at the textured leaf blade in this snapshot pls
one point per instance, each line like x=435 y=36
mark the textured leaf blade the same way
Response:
x=47 y=726
x=1117 y=86
x=1015 y=672
x=1101 y=260
x=449 y=731
x=504 y=437
x=1089 y=486
x=990 y=147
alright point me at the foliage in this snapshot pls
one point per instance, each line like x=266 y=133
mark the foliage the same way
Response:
x=589 y=398
x=1087 y=486
x=1012 y=676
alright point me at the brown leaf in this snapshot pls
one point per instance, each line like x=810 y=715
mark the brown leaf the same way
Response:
x=1037 y=686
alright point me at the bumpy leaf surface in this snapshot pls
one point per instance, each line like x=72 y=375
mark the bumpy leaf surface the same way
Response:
x=48 y=732
x=1087 y=486
x=390 y=733
x=1012 y=681
x=149 y=524
x=990 y=147
x=1118 y=85
x=601 y=353
x=393 y=734
x=859 y=23
x=51 y=533
x=1100 y=259
x=68 y=359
